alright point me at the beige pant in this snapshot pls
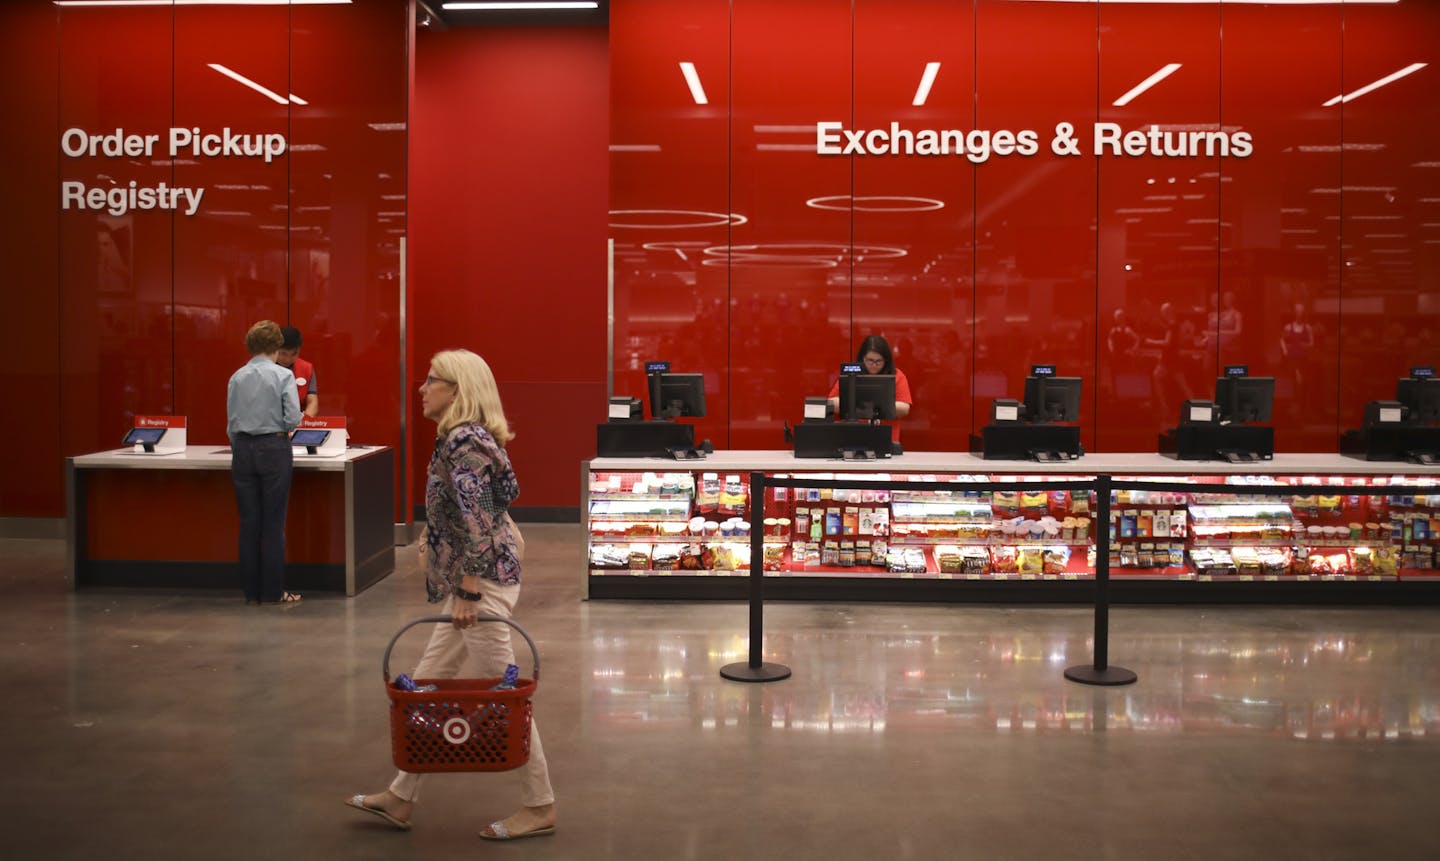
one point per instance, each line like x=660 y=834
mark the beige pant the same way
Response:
x=490 y=643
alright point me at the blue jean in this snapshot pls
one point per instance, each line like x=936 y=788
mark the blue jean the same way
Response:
x=260 y=467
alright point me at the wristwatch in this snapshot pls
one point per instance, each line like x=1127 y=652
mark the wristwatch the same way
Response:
x=467 y=596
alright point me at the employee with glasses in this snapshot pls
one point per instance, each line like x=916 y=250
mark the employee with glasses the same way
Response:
x=875 y=357
x=262 y=408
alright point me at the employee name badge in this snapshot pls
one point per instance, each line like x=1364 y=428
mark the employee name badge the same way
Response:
x=321 y=436
x=156 y=435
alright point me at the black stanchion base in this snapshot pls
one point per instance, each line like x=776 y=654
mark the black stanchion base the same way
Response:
x=1086 y=674
x=746 y=673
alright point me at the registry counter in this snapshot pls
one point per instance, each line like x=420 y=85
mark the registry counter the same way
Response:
x=169 y=521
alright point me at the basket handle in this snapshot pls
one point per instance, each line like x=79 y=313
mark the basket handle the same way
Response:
x=483 y=617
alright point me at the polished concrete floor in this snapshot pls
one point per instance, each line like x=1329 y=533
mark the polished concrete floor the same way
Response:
x=151 y=725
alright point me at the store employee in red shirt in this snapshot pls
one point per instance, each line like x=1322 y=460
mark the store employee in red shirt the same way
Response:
x=289 y=357
x=875 y=357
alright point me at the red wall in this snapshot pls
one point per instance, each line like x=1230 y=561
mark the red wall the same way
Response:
x=507 y=240
x=1337 y=212
x=721 y=265
x=146 y=312
x=31 y=470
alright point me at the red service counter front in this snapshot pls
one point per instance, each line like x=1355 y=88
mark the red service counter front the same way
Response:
x=1301 y=528
x=170 y=521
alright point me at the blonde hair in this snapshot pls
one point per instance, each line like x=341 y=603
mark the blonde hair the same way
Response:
x=477 y=398
x=264 y=337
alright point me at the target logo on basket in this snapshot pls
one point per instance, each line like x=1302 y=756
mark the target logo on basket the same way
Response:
x=456 y=730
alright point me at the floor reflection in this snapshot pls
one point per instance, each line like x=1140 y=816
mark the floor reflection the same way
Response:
x=1333 y=686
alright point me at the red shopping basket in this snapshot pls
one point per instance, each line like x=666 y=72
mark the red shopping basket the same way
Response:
x=465 y=725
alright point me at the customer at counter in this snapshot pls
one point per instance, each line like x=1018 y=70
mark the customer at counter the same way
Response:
x=289 y=357
x=262 y=407
x=876 y=357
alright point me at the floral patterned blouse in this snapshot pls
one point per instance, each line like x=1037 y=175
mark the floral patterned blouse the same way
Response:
x=470 y=486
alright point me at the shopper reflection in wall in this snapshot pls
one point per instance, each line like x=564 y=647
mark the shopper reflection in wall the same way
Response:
x=473 y=551
x=1297 y=338
x=1167 y=377
x=1121 y=370
x=262 y=408
x=289 y=357
x=876 y=357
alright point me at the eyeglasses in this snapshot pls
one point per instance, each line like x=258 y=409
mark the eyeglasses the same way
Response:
x=431 y=380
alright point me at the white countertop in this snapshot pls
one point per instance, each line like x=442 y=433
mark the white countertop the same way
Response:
x=210 y=457
x=1135 y=464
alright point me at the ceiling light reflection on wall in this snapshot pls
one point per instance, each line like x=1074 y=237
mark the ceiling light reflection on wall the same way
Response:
x=536 y=6
x=264 y=91
x=692 y=79
x=1164 y=72
x=1388 y=79
x=927 y=80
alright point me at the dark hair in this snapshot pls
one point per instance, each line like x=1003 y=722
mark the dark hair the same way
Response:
x=292 y=337
x=876 y=344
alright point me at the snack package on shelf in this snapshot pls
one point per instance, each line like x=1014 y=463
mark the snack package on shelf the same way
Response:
x=974 y=560
x=1385 y=561
x=1212 y=561
x=1006 y=503
x=729 y=557
x=1030 y=560
x=691 y=557
x=1034 y=504
x=732 y=497
x=665 y=557
x=774 y=558
x=1362 y=561
x=610 y=556
x=1055 y=559
x=948 y=558
x=707 y=495
x=1003 y=560
x=638 y=557
x=1274 y=562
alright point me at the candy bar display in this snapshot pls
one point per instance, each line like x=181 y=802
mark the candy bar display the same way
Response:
x=682 y=524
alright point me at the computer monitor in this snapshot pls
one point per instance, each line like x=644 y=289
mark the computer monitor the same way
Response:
x=1052 y=399
x=866 y=397
x=676 y=395
x=1421 y=399
x=1244 y=399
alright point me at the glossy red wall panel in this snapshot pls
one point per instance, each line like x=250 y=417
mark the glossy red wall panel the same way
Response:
x=508 y=191
x=150 y=307
x=30 y=462
x=115 y=337
x=1034 y=217
x=1144 y=274
x=912 y=258
x=669 y=195
x=1389 y=217
x=1277 y=309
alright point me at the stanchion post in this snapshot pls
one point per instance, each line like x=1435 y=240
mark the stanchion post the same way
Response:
x=756 y=670
x=1101 y=673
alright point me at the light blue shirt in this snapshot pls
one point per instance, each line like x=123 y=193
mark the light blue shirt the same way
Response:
x=261 y=399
